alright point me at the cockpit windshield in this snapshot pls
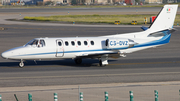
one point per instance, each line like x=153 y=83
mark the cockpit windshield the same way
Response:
x=37 y=43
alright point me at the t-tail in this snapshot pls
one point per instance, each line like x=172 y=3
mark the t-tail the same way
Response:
x=158 y=33
x=164 y=20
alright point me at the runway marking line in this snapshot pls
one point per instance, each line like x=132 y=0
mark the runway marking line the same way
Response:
x=97 y=75
x=146 y=63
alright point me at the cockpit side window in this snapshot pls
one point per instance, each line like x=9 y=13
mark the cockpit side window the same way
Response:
x=37 y=43
x=42 y=42
x=32 y=42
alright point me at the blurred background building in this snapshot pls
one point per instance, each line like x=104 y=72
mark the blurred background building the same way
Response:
x=20 y=2
x=153 y=1
x=84 y=2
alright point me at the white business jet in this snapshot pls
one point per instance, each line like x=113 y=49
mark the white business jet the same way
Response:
x=102 y=47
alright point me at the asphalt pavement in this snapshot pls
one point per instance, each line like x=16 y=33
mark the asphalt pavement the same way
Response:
x=151 y=65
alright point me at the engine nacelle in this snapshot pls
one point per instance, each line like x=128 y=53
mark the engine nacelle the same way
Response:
x=117 y=44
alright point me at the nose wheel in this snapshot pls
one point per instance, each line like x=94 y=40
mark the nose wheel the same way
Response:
x=21 y=64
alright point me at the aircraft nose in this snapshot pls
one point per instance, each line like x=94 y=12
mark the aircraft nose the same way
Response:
x=5 y=55
x=11 y=53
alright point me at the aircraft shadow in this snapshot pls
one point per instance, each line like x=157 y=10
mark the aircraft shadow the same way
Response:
x=64 y=62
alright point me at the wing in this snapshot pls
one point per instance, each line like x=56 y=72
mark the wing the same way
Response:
x=114 y=54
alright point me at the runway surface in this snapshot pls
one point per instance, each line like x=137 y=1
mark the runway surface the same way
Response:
x=152 y=65
x=120 y=9
x=41 y=10
x=20 y=13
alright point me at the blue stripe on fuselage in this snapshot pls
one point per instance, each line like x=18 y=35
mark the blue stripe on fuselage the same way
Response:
x=163 y=40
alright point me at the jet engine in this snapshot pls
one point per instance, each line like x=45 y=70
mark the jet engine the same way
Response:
x=119 y=43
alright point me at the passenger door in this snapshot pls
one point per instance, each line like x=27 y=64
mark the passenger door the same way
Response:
x=59 y=48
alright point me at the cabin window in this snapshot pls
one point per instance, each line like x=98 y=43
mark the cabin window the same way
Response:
x=92 y=42
x=59 y=43
x=66 y=43
x=72 y=43
x=85 y=43
x=79 y=43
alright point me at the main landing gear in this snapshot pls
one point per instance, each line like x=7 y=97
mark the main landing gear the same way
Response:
x=103 y=61
x=21 y=64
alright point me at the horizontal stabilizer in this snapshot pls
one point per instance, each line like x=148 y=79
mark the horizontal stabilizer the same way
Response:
x=144 y=28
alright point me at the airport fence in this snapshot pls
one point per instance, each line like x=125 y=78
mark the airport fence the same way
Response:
x=94 y=93
x=106 y=96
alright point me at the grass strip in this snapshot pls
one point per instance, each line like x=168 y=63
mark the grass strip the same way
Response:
x=106 y=19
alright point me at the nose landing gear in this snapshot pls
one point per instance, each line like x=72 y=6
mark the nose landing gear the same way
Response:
x=21 y=64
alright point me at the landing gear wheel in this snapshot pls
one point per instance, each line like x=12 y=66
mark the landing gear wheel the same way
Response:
x=101 y=64
x=78 y=61
x=21 y=64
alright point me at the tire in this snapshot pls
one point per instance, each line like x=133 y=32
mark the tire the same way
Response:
x=21 y=64
x=100 y=63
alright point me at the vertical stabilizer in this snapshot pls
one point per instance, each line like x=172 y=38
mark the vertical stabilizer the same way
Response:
x=165 y=19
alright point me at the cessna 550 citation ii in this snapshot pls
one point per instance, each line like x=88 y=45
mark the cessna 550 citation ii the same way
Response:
x=102 y=47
